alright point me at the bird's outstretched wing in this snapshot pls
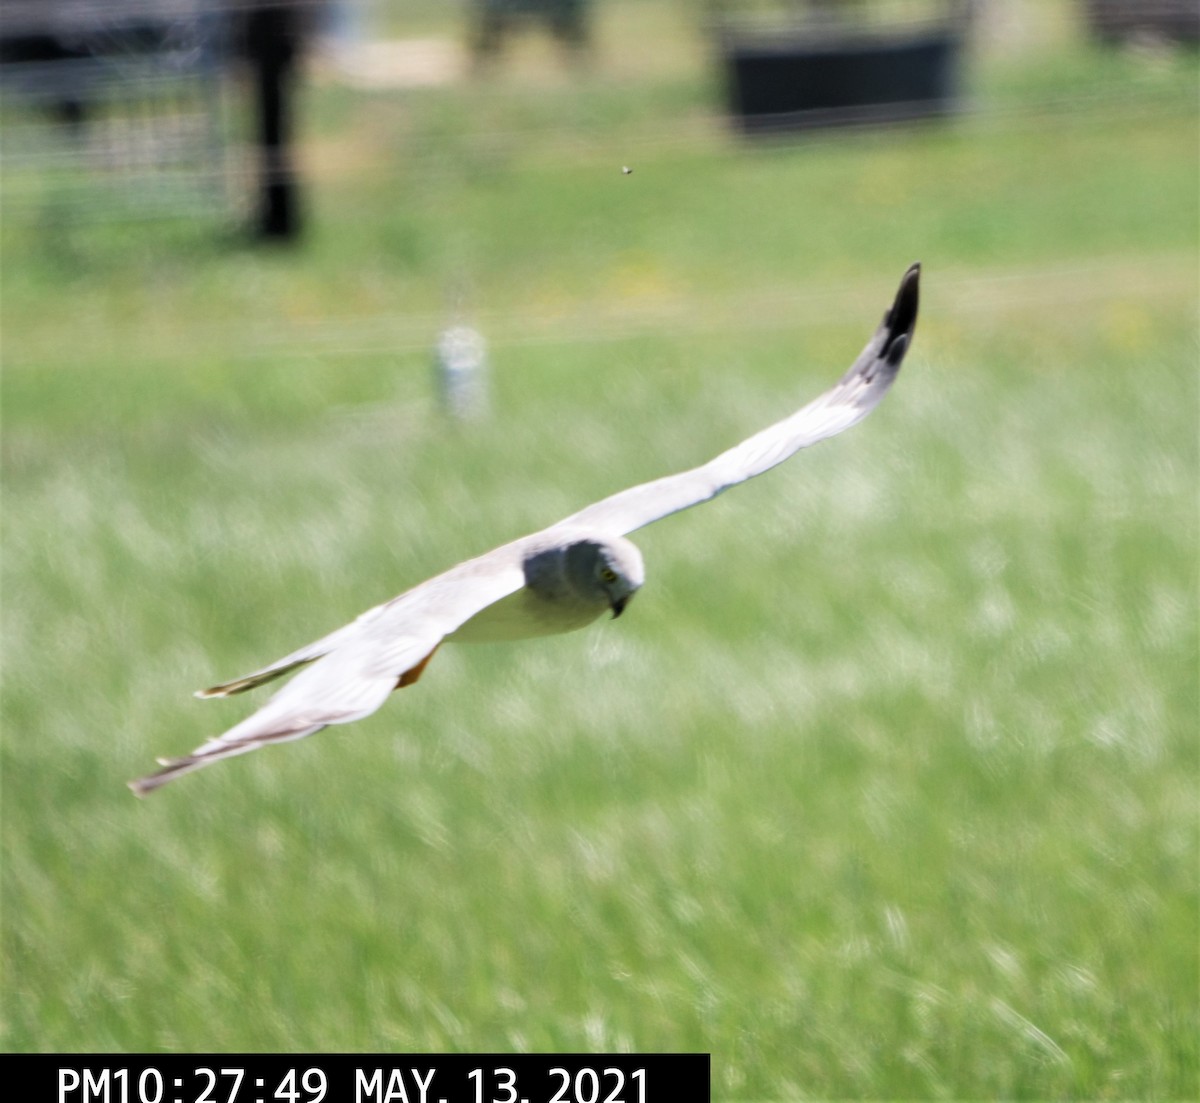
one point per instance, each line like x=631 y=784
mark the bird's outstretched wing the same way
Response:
x=359 y=665
x=855 y=395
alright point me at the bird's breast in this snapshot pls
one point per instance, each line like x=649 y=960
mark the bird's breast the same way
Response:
x=524 y=615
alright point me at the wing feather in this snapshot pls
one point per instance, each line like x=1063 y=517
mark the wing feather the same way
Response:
x=494 y=573
x=302 y=657
x=359 y=665
x=855 y=395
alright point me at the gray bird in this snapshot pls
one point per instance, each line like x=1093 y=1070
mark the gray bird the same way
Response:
x=553 y=581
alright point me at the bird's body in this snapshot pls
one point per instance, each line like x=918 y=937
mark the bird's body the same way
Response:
x=562 y=591
x=558 y=580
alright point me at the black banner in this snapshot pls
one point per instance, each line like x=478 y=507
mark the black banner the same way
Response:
x=360 y=1078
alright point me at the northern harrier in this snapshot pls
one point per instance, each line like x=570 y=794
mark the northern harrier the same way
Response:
x=556 y=580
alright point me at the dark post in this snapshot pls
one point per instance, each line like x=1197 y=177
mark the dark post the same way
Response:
x=272 y=42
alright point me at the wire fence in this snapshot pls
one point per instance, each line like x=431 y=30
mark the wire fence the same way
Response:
x=123 y=108
x=138 y=128
x=990 y=293
x=118 y=110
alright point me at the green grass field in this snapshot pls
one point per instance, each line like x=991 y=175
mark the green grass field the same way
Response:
x=886 y=784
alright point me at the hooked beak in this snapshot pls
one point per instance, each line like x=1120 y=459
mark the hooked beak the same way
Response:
x=618 y=606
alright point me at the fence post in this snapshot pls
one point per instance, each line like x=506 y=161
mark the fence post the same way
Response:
x=272 y=43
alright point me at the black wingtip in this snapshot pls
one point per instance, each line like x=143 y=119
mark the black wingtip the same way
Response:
x=901 y=319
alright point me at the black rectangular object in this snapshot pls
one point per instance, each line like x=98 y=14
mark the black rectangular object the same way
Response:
x=798 y=82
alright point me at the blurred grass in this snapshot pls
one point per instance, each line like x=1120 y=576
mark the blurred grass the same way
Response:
x=885 y=786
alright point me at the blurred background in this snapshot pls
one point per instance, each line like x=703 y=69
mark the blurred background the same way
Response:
x=886 y=784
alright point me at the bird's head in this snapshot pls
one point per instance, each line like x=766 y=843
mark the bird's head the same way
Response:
x=605 y=568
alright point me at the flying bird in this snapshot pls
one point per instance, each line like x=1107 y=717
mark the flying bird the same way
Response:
x=556 y=580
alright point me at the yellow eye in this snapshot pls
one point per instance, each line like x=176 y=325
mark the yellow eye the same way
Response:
x=608 y=575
